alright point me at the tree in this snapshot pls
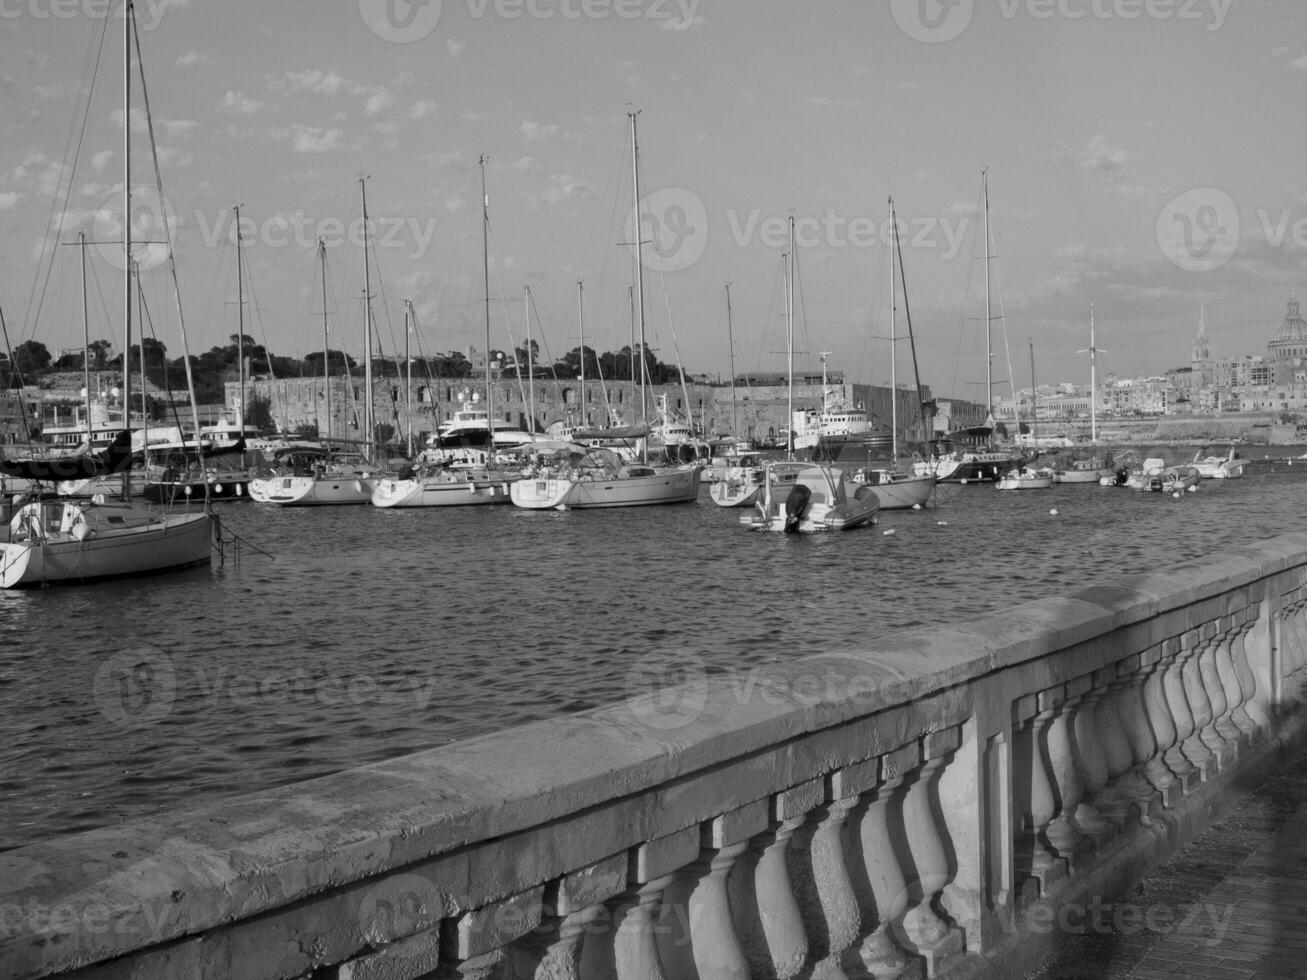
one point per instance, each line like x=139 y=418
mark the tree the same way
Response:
x=99 y=350
x=30 y=357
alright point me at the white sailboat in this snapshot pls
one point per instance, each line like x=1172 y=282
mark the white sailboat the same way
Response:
x=602 y=478
x=1028 y=477
x=894 y=488
x=341 y=478
x=446 y=484
x=72 y=541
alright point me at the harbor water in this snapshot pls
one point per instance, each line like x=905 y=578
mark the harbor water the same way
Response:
x=366 y=633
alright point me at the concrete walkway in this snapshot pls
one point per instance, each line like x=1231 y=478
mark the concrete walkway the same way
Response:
x=1230 y=906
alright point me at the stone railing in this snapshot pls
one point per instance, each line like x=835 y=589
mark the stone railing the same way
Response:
x=913 y=809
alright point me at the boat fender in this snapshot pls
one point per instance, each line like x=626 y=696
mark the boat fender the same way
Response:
x=796 y=505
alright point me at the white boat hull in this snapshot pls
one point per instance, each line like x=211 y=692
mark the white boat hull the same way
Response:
x=53 y=556
x=904 y=493
x=738 y=488
x=310 y=491
x=669 y=487
x=441 y=493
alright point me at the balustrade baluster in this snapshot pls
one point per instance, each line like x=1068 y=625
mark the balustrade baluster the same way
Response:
x=819 y=870
x=1161 y=723
x=1115 y=800
x=1091 y=765
x=1177 y=700
x=1066 y=837
x=1035 y=858
x=1255 y=643
x=1224 y=685
x=925 y=929
x=1194 y=745
x=766 y=911
x=1134 y=784
x=880 y=954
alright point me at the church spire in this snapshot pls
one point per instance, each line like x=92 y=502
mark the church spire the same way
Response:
x=1201 y=350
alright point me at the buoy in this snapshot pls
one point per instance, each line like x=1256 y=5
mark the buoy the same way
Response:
x=941 y=523
x=889 y=532
x=1053 y=512
x=916 y=506
x=1194 y=488
x=1176 y=495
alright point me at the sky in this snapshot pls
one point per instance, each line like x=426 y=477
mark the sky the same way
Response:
x=1143 y=156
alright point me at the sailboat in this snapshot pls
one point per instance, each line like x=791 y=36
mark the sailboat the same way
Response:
x=966 y=455
x=448 y=484
x=816 y=496
x=1028 y=477
x=601 y=478
x=340 y=478
x=894 y=488
x=49 y=542
x=1088 y=469
x=741 y=476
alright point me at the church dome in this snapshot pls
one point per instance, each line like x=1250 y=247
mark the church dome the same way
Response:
x=1293 y=330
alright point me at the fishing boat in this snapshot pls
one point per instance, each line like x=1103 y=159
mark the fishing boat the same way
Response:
x=821 y=498
x=1213 y=466
x=838 y=430
x=1081 y=470
x=50 y=541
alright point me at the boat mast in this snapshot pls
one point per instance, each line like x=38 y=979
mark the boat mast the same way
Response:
x=409 y=319
x=140 y=317
x=1093 y=382
x=86 y=342
x=789 y=345
x=240 y=320
x=128 y=13
x=1034 y=401
x=580 y=323
x=730 y=340
x=485 y=272
x=893 y=345
x=367 y=324
x=630 y=300
x=926 y=425
x=326 y=336
x=639 y=273
x=530 y=365
x=989 y=322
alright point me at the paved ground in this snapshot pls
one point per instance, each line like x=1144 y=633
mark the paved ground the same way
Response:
x=1230 y=906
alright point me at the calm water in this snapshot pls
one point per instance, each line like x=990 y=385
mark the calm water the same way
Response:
x=371 y=633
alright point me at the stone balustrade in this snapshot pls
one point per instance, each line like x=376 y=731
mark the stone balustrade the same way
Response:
x=907 y=809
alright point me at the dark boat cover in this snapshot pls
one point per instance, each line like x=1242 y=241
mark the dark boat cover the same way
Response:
x=117 y=458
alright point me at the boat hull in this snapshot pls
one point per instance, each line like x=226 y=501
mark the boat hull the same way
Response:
x=904 y=493
x=309 y=491
x=176 y=541
x=234 y=488
x=441 y=493
x=738 y=488
x=671 y=487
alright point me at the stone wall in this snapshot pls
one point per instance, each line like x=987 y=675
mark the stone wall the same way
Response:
x=915 y=807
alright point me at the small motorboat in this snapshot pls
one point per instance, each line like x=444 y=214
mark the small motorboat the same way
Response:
x=1026 y=478
x=821 y=498
x=1211 y=466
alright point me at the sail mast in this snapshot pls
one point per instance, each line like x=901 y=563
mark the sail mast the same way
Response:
x=326 y=336
x=580 y=323
x=1093 y=382
x=893 y=345
x=989 y=344
x=86 y=341
x=789 y=345
x=128 y=13
x=639 y=271
x=485 y=272
x=409 y=322
x=730 y=340
x=1034 y=401
x=530 y=366
x=367 y=325
x=240 y=320
x=926 y=424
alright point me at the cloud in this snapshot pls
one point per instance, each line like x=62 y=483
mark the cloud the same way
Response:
x=455 y=48
x=1103 y=161
x=9 y=200
x=239 y=104
x=177 y=128
x=421 y=108
x=101 y=160
x=311 y=139
x=565 y=187
x=328 y=83
x=379 y=101
x=535 y=132
x=192 y=58
x=1299 y=64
